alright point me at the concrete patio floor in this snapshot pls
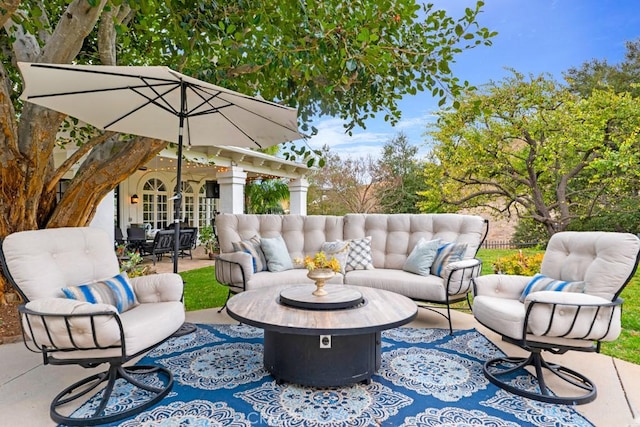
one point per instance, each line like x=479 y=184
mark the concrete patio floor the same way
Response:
x=27 y=386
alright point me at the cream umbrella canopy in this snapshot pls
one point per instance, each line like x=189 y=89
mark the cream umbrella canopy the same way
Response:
x=158 y=102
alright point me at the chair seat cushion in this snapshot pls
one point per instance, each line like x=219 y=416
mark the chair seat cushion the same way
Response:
x=504 y=316
x=144 y=326
x=116 y=291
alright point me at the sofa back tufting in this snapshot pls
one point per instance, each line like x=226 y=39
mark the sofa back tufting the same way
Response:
x=303 y=234
x=394 y=236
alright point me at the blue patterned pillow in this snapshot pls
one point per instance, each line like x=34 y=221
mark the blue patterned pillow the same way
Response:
x=116 y=291
x=540 y=282
x=447 y=253
x=253 y=248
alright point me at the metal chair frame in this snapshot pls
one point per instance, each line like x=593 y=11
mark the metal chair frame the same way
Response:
x=77 y=392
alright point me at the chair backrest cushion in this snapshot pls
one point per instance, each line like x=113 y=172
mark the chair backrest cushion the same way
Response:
x=42 y=262
x=605 y=261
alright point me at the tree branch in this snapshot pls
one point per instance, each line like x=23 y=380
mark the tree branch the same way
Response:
x=8 y=8
x=75 y=24
x=75 y=157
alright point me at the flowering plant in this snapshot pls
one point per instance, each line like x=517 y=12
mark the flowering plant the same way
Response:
x=319 y=260
x=519 y=263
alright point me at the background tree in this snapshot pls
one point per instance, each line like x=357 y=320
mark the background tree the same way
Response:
x=350 y=60
x=399 y=176
x=534 y=148
x=343 y=186
x=623 y=77
x=265 y=196
x=599 y=74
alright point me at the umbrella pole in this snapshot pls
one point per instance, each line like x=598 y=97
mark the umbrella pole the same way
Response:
x=186 y=327
x=178 y=202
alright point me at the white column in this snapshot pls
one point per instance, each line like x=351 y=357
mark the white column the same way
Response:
x=232 y=190
x=104 y=215
x=298 y=196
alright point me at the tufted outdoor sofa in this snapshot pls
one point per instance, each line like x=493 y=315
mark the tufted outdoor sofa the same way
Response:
x=393 y=237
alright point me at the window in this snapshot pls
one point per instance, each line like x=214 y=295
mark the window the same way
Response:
x=206 y=208
x=155 y=203
x=188 y=204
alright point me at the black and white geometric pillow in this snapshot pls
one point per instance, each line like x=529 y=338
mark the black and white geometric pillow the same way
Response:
x=360 y=255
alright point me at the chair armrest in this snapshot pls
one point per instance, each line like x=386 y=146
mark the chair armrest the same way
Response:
x=572 y=315
x=64 y=324
x=234 y=269
x=508 y=286
x=458 y=275
x=157 y=287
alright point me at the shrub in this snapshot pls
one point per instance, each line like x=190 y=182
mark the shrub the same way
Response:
x=518 y=263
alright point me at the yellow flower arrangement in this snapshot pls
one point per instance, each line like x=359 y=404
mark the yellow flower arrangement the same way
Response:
x=319 y=260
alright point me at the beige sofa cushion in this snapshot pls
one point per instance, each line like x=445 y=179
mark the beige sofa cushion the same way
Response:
x=296 y=276
x=394 y=236
x=427 y=288
x=303 y=234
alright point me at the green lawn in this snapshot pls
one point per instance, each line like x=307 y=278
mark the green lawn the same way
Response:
x=203 y=291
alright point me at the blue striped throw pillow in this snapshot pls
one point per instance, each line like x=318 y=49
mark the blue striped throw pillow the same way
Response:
x=253 y=248
x=116 y=291
x=447 y=253
x=540 y=282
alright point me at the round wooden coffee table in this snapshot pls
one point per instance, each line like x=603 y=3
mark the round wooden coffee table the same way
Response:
x=325 y=341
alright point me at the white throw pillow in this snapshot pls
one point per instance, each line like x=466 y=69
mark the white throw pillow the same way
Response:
x=421 y=257
x=277 y=255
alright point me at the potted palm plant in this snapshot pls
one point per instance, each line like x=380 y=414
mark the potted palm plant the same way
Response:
x=208 y=240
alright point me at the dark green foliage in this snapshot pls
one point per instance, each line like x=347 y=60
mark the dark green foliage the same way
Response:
x=399 y=177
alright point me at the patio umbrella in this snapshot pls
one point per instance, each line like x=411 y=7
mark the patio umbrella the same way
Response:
x=158 y=102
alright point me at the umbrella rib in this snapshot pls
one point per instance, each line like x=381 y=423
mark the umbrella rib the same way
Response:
x=89 y=71
x=231 y=104
x=81 y=92
x=150 y=100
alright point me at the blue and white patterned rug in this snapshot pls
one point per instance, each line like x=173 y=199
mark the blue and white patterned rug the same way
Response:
x=427 y=378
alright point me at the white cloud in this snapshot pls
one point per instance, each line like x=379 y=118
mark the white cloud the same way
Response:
x=369 y=141
x=332 y=133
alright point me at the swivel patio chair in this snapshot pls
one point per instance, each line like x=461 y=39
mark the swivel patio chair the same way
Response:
x=573 y=304
x=79 y=309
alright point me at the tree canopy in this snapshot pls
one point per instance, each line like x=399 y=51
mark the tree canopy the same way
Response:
x=351 y=60
x=399 y=176
x=532 y=147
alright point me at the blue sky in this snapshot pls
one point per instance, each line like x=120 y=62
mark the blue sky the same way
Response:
x=534 y=36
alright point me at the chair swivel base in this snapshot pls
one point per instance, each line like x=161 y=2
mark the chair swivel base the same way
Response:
x=495 y=368
x=83 y=387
